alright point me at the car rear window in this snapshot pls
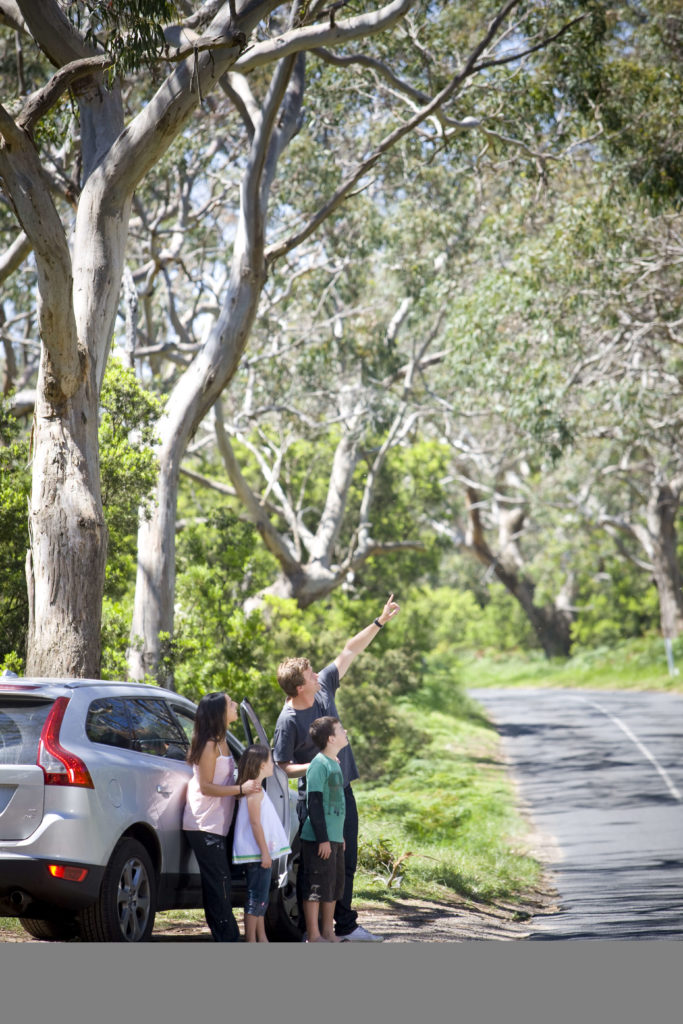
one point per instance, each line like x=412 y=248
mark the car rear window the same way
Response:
x=107 y=722
x=155 y=731
x=21 y=723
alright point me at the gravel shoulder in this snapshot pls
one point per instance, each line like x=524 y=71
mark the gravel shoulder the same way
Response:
x=403 y=920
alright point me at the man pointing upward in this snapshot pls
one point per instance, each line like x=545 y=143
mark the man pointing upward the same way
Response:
x=310 y=695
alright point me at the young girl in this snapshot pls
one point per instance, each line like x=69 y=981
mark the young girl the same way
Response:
x=259 y=836
x=209 y=808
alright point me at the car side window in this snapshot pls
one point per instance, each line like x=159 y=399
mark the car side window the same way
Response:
x=186 y=720
x=154 y=730
x=108 y=722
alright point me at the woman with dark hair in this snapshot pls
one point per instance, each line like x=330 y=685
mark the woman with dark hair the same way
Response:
x=209 y=808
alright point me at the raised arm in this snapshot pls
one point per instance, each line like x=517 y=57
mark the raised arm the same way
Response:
x=357 y=644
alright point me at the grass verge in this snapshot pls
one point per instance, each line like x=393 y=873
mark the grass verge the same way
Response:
x=447 y=823
x=638 y=664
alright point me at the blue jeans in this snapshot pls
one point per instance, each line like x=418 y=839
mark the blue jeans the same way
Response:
x=258 y=889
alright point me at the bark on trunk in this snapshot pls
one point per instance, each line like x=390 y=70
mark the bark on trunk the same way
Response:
x=551 y=623
x=662 y=511
x=65 y=567
x=305 y=587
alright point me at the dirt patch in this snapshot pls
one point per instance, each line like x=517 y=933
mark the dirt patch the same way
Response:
x=401 y=920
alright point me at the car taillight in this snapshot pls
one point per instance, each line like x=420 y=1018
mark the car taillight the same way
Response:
x=60 y=766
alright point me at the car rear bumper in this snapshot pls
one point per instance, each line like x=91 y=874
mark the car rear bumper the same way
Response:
x=27 y=889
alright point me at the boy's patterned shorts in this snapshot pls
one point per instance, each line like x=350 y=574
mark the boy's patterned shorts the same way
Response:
x=322 y=880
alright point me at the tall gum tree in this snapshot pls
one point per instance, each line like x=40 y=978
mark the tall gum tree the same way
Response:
x=79 y=272
x=271 y=123
x=79 y=251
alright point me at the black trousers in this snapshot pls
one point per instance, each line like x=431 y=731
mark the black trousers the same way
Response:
x=345 y=918
x=214 y=867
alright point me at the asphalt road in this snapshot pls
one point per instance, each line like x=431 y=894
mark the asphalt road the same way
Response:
x=602 y=776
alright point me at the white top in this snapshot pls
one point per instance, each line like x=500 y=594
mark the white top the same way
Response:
x=210 y=813
x=244 y=846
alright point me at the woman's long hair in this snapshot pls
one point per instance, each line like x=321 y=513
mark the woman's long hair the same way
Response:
x=250 y=762
x=210 y=724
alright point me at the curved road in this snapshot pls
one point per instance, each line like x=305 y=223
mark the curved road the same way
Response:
x=602 y=774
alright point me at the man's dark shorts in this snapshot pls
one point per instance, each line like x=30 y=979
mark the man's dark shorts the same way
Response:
x=322 y=880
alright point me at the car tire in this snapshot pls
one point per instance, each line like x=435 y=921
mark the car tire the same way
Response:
x=283 y=922
x=53 y=930
x=126 y=906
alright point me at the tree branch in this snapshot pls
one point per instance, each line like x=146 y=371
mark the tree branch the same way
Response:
x=279 y=249
x=313 y=36
x=28 y=189
x=274 y=541
x=12 y=259
x=39 y=102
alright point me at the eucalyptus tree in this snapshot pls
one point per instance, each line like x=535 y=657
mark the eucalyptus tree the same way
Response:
x=299 y=205
x=628 y=395
x=581 y=354
x=83 y=174
x=76 y=221
x=307 y=460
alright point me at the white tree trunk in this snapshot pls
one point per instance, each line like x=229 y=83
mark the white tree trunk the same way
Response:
x=189 y=402
x=66 y=563
x=210 y=372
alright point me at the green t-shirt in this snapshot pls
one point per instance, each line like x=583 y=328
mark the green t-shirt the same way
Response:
x=325 y=776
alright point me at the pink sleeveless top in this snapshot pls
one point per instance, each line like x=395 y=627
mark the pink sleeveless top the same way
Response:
x=210 y=813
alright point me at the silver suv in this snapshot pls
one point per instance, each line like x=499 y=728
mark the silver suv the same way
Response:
x=92 y=789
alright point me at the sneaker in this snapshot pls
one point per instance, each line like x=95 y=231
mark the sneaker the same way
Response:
x=360 y=934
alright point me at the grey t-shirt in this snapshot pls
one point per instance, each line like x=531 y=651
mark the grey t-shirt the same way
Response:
x=292 y=741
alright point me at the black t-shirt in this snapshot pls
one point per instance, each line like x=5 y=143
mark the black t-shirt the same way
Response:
x=292 y=741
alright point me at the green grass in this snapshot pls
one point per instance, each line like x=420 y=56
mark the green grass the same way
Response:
x=9 y=928
x=447 y=824
x=638 y=664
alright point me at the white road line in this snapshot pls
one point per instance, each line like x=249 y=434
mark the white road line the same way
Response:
x=675 y=792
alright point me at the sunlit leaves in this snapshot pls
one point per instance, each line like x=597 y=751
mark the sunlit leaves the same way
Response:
x=131 y=31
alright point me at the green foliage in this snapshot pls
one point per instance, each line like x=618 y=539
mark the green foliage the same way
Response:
x=128 y=467
x=12 y=662
x=627 y=605
x=131 y=31
x=446 y=820
x=115 y=633
x=464 y=620
x=620 y=68
x=216 y=644
x=634 y=664
x=15 y=484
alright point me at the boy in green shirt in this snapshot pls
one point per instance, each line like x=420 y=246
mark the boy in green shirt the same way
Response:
x=322 y=836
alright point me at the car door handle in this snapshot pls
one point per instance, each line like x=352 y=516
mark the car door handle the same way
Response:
x=164 y=792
